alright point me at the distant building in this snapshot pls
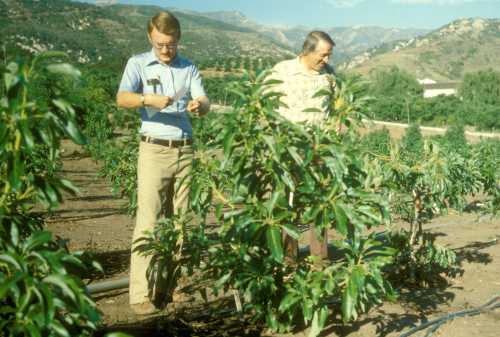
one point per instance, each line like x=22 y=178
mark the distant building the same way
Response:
x=433 y=89
x=444 y=88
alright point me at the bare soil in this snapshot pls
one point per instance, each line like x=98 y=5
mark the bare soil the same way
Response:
x=94 y=221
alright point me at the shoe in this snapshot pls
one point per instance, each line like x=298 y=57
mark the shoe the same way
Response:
x=145 y=308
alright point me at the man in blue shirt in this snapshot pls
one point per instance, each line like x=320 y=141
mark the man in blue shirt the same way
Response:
x=165 y=87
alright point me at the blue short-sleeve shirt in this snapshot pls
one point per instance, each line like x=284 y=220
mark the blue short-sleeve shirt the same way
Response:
x=180 y=79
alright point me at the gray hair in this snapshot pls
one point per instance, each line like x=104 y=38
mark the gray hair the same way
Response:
x=312 y=40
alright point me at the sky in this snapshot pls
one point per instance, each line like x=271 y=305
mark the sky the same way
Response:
x=334 y=13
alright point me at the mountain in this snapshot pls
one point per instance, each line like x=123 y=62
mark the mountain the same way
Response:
x=239 y=19
x=352 y=41
x=112 y=33
x=464 y=45
x=349 y=41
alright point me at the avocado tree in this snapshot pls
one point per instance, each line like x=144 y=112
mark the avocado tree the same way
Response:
x=257 y=176
x=39 y=296
x=421 y=182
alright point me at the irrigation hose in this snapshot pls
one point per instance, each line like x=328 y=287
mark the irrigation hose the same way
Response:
x=123 y=283
x=436 y=323
x=100 y=287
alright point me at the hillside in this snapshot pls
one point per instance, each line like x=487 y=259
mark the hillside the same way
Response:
x=110 y=34
x=350 y=40
x=465 y=45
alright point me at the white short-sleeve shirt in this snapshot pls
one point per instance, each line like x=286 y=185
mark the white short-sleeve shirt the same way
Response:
x=299 y=87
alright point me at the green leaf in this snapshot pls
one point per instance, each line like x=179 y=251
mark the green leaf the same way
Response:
x=63 y=105
x=16 y=172
x=62 y=283
x=37 y=239
x=358 y=278
x=26 y=133
x=8 y=258
x=312 y=110
x=271 y=143
x=75 y=134
x=59 y=329
x=273 y=236
x=271 y=203
x=51 y=193
x=271 y=320
x=117 y=334
x=288 y=301
x=238 y=93
x=349 y=299
x=307 y=310
x=223 y=280
x=322 y=92
x=33 y=330
x=14 y=234
x=64 y=69
x=291 y=230
x=295 y=155
x=10 y=80
x=285 y=177
x=68 y=186
x=347 y=306
x=25 y=298
x=97 y=266
x=57 y=55
x=228 y=142
x=318 y=321
x=6 y=286
x=272 y=82
x=50 y=301
x=341 y=219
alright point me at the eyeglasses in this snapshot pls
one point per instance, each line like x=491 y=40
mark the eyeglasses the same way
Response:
x=169 y=46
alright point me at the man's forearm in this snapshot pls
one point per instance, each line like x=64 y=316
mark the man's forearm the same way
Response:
x=129 y=100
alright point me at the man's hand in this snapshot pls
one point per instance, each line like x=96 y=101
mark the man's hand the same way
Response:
x=157 y=101
x=194 y=106
x=199 y=105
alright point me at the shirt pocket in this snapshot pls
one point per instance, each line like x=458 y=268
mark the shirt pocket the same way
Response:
x=152 y=85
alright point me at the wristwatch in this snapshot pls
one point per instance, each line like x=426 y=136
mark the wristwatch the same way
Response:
x=142 y=100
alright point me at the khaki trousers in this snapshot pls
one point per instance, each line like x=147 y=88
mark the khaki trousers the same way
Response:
x=158 y=170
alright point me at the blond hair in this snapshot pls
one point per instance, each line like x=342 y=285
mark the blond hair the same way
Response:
x=166 y=23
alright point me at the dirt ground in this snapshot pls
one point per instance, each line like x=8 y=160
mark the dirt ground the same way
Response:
x=93 y=221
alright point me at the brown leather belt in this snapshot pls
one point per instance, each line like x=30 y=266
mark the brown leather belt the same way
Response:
x=167 y=142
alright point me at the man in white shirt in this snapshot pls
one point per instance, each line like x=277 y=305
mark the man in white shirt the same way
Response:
x=301 y=78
